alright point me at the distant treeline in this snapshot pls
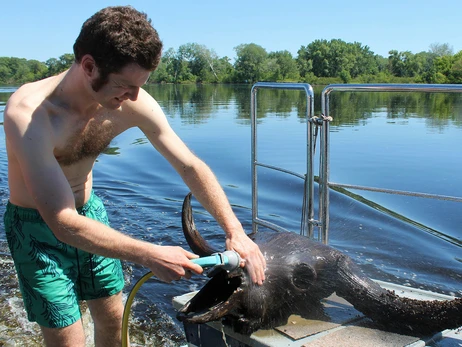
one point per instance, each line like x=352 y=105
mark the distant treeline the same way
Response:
x=197 y=103
x=320 y=62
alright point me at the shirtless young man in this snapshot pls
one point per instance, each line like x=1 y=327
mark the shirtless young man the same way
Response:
x=56 y=226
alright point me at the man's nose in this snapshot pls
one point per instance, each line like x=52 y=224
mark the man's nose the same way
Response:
x=133 y=94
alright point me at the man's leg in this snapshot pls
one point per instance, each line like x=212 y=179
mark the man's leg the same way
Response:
x=70 y=336
x=46 y=274
x=102 y=276
x=107 y=314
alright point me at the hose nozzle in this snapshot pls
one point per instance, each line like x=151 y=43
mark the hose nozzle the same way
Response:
x=228 y=260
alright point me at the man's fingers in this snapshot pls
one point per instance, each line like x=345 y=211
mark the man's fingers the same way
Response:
x=191 y=255
x=194 y=268
x=259 y=277
x=263 y=261
x=256 y=273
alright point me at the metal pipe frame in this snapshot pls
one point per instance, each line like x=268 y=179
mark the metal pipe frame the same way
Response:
x=308 y=210
x=324 y=183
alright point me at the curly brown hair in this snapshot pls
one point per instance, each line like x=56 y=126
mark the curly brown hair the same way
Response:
x=116 y=36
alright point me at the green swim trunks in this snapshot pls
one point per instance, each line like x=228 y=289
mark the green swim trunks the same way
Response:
x=54 y=276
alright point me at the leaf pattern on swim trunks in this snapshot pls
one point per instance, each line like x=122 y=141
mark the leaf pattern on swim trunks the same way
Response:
x=14 y=233
x=42 y=254
x=17 y=223
x=62 y=246
x=53 y=312
x=73 y=274
x=99 y=265
x=83 y=210
x=88 y=266
x=118 y=269
x=100 y=214
x=27 y=290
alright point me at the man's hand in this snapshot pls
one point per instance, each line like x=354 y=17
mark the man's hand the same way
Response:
x=251 y=256
x=171 y=263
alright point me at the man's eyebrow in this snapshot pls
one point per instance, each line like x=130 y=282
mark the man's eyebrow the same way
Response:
x=126 y=84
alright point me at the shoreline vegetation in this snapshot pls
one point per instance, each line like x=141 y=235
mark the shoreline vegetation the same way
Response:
x=321 y=62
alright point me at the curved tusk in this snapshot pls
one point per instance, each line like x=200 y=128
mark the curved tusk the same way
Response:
x=197 y=243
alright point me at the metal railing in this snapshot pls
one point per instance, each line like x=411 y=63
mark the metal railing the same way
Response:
x=324 y=169
x=308 y=210
x=308 y=222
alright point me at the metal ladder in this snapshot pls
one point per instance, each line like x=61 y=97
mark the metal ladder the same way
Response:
x=308 y=222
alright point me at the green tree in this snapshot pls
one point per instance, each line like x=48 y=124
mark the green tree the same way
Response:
x=38 y=69
x=455 y=73
x=203 y=62
x=196 y=60
x=331 y=58
x=363 y=61
x=250 y=63
x=426 y=72
x=56 y=66
x=382 y=63
x=160 y=75
x=443 y=64
x=177 y=67
x=224 y=69
x=5 y=71
x=66 y=60
x=19 y=71
x=402 y=64
x=53 y=67
x=286 y=66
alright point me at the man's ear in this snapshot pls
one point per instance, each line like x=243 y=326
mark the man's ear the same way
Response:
x=88 y=65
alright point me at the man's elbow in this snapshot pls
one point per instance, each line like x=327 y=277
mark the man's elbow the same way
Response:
x=64 y=224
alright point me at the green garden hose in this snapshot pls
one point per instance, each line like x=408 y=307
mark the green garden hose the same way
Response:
x=228 y=260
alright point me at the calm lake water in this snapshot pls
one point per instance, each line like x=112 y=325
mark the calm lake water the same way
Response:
x=403 y=141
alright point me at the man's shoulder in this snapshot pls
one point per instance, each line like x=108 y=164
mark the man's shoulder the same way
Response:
x=26 y=99
x=26 y=102
x=145 y=107
x=144 y=100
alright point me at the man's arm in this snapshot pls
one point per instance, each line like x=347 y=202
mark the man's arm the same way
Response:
x=201 y=181
x=30 y=137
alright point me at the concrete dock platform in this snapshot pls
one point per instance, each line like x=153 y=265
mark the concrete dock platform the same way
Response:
x=344 y=327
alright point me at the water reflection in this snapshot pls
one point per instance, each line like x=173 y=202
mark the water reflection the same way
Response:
x=198 y=103
x=112 y=150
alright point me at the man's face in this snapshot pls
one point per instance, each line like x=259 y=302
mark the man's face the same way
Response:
x=122 y=86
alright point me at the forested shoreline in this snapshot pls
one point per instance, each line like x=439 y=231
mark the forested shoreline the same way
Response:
x=320 y=62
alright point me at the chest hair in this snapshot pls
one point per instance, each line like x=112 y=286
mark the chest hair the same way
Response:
x=88 y=142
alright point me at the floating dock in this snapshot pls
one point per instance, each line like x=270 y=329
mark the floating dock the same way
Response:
x=345 y=327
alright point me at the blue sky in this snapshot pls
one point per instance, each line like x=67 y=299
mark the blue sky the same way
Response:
x=47 y=29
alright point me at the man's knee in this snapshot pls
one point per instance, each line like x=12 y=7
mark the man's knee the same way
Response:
x=70 y=336
x=107 y=312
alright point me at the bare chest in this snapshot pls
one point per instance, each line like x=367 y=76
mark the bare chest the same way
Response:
x=84 y=140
